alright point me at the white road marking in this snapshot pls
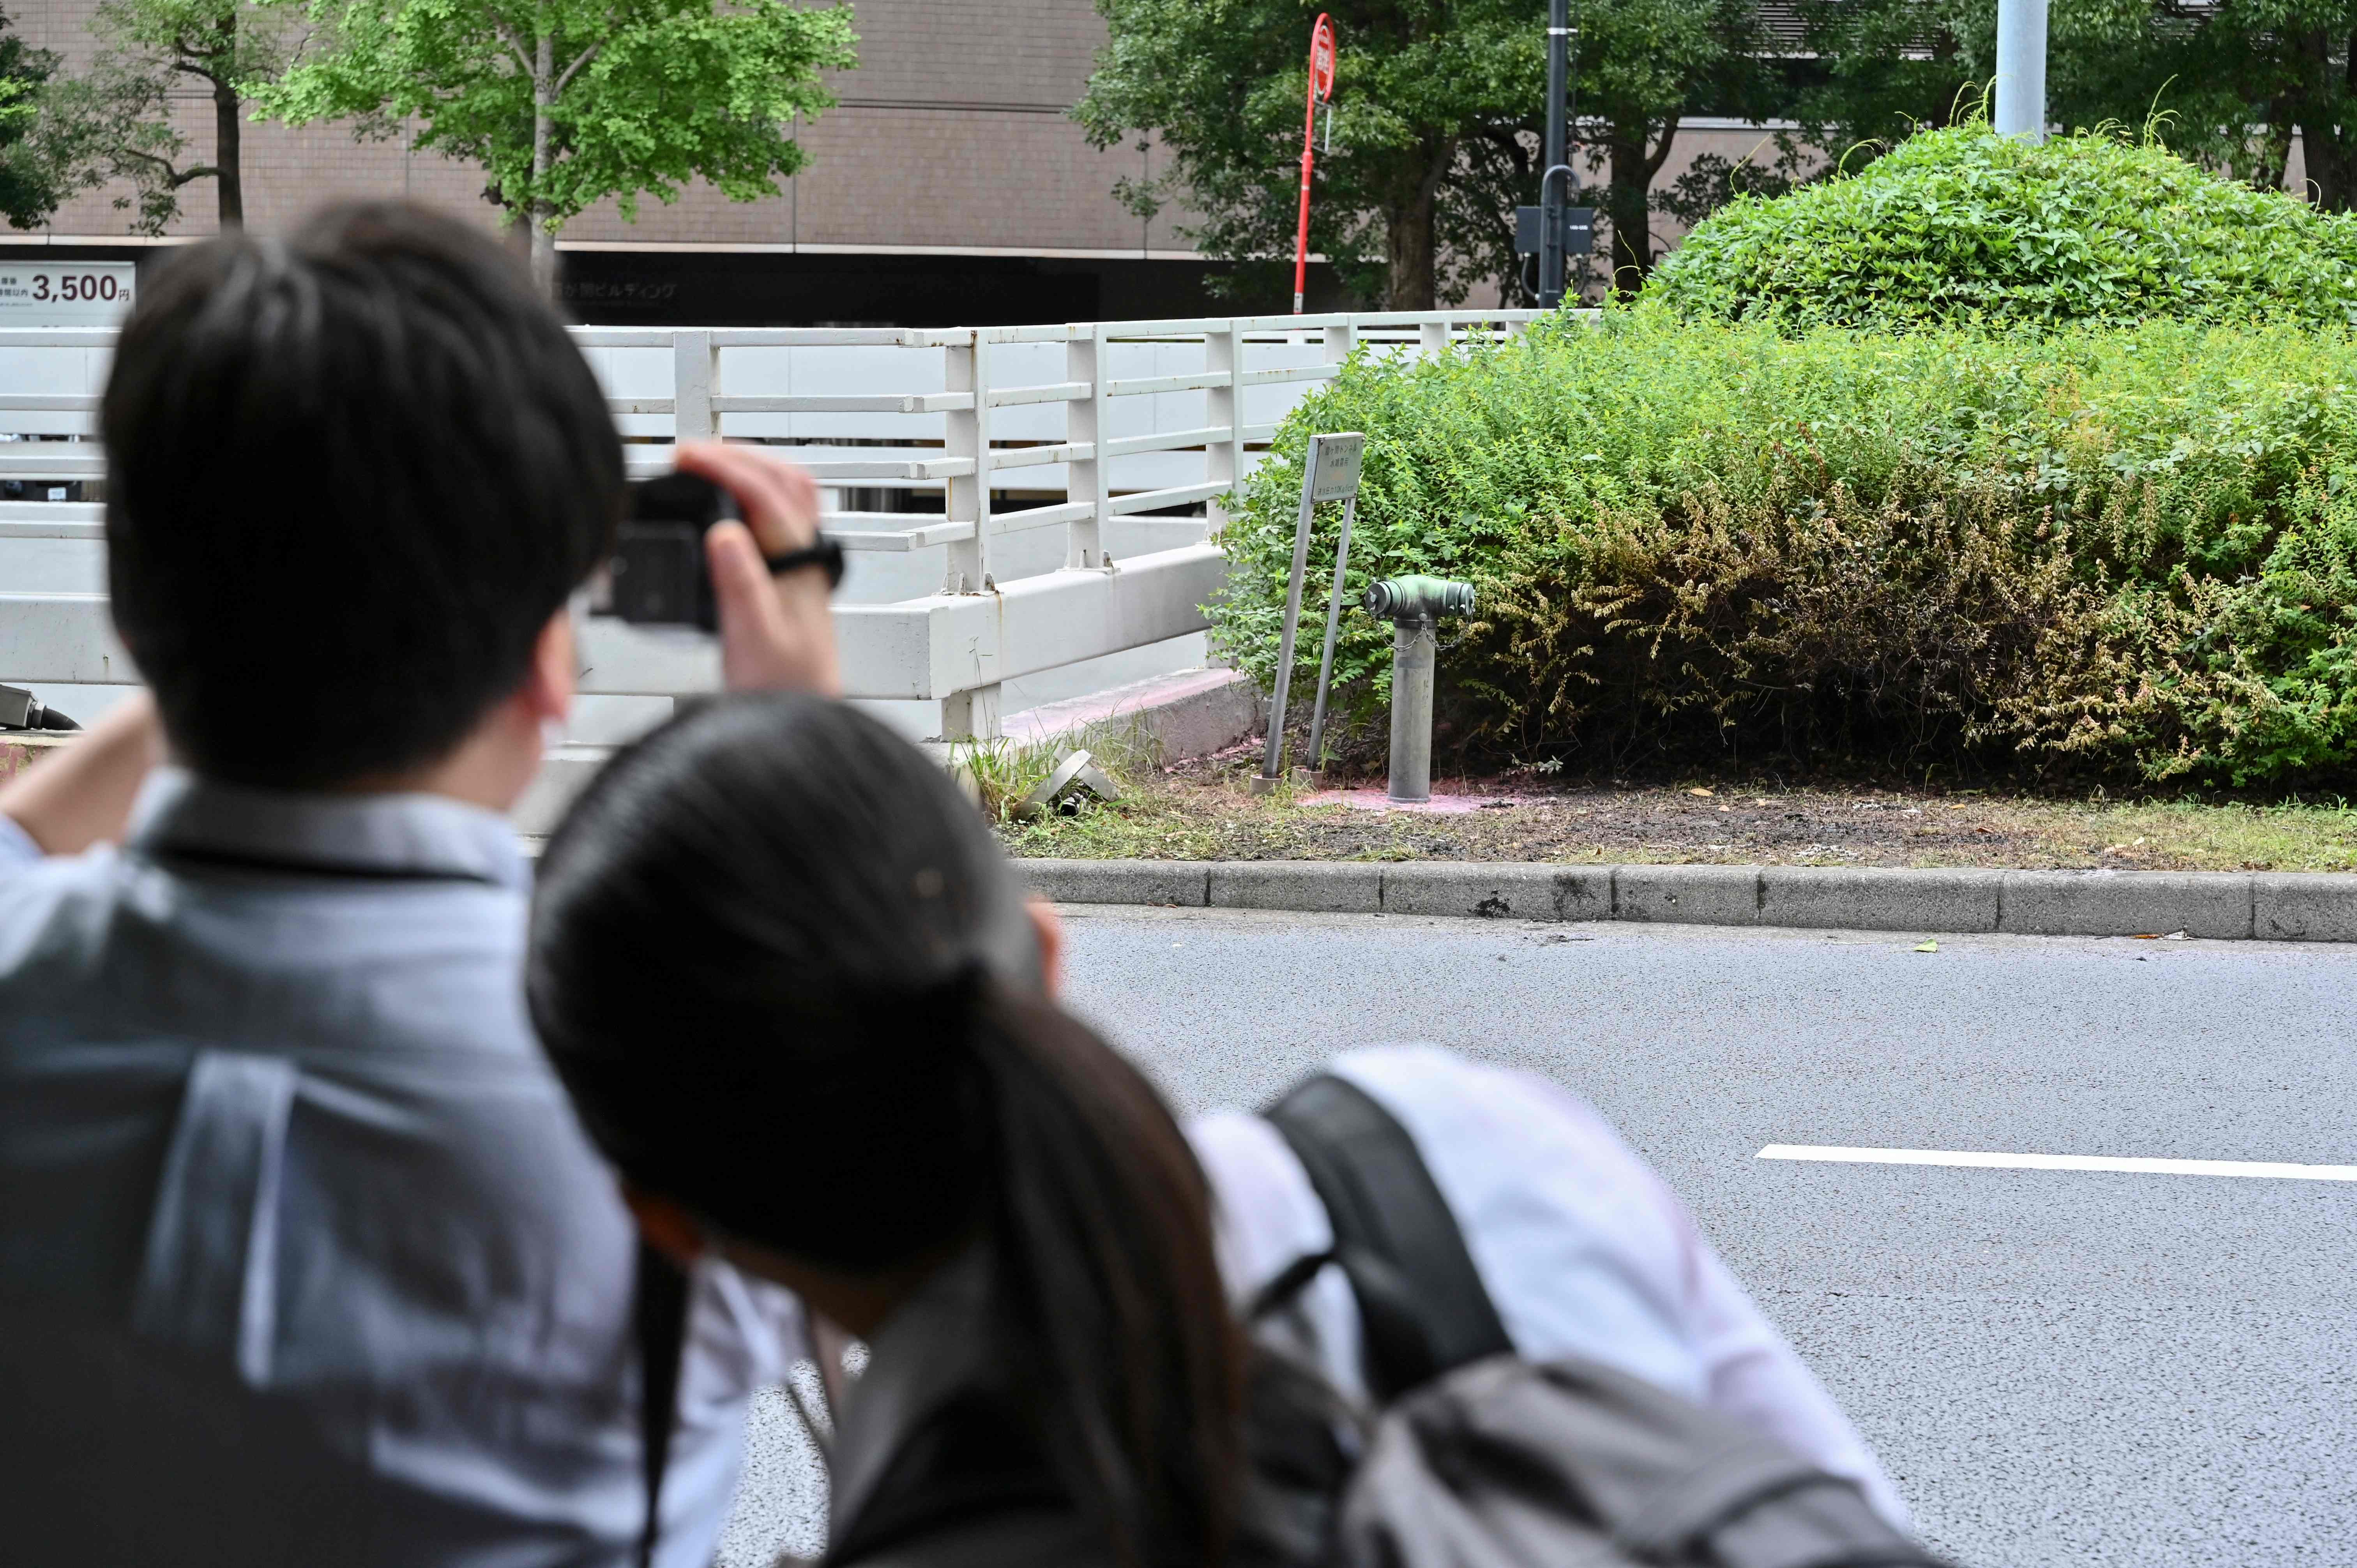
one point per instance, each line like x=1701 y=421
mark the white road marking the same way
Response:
x=2057 y=1162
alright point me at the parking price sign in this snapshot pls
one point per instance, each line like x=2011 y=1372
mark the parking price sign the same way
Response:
x=65 y=293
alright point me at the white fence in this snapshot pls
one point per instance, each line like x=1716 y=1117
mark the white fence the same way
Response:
x=1059 y=455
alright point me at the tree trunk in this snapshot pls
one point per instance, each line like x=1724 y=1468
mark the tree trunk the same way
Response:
x=1628 y=201
x=227 y=131
x=539 y=212
x=1412 y=277
x=2328 y=139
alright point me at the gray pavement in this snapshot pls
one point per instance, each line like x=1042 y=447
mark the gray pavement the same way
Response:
x=2059 y=1368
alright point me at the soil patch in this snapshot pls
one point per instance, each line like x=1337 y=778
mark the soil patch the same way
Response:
x=1204 y=810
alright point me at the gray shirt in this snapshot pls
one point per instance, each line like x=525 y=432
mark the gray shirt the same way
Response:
x=303 y=1256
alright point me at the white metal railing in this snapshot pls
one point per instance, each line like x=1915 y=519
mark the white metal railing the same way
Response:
x=1046 y=447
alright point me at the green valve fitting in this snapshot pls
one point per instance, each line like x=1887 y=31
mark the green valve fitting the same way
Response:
x=1405 y=600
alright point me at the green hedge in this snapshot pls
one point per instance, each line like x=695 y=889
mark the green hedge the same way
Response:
x=2129 y=552
x=1962 y=224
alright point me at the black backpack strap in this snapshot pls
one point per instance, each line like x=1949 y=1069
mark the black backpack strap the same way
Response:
x=1421 y=1300
x=658 y=1322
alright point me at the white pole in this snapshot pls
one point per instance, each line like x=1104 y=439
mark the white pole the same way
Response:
x=2022 y=68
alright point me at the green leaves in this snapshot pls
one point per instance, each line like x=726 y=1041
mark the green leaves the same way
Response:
x=29 y=190
x=635 y=97
x=2116 y=551
x=1963 y=225
x=1437 y=111
x=113 y=121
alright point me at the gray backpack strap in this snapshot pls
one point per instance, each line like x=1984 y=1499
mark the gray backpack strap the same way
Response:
x=1421 y=1300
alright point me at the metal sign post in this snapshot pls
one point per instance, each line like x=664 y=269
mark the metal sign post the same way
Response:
x=1322 y=89
x=1330 y=474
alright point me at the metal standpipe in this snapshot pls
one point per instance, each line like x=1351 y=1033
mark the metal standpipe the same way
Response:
x=1413 y=606
x=1415 y=647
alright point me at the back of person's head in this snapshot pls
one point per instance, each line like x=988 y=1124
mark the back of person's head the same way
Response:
x=351 y=473
x=789 y=982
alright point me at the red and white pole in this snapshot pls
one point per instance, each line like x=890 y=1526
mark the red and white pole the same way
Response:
x=1322 y=89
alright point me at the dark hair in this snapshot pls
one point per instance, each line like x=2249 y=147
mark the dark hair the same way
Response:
x=774 y=908
x=350 y=474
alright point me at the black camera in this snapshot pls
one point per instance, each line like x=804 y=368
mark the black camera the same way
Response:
x=659 y=575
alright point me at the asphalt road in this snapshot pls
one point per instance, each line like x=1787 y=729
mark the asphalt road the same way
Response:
x=2058 y=1367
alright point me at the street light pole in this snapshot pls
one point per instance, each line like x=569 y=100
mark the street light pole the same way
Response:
x=1554 y=181
x=2021 y=69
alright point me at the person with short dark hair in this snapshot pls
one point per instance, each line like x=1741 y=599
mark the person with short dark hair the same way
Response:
x=303 y=1257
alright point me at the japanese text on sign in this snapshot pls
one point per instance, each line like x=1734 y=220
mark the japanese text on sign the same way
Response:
x=70 y=294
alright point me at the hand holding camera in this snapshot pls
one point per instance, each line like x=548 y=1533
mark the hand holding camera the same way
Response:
x=730 y=543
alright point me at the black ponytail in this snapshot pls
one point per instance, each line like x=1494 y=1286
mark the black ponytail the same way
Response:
x=1103 y=1227
x=788 y=978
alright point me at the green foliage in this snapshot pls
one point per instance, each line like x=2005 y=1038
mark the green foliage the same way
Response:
x=28 y=192
x=1437 y=115
x=2121 y=551
x=111 y=124
x=2234 y=82
x=1223 y=89
x=568 y=102
x=1962 y=224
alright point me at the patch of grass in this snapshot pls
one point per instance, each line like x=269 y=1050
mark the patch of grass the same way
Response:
x=1001 y=772
x=2228 y=837
x=1208 y=813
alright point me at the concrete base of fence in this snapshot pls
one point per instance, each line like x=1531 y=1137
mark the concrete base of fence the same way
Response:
x=1192 y=713
x=2270 y=906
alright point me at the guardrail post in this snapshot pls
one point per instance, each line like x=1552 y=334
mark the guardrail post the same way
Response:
x=971 y=714
x=694 y=369
x=1085 y=359
x=967 y=497
x=1432 y=337
x=1340 y=341
x=1223 y=459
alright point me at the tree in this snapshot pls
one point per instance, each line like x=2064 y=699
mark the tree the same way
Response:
x=1436 y=114
x=27 y=192
x=1645 y=64
x=566 y=103
x=2228 y=82
x=114 y=122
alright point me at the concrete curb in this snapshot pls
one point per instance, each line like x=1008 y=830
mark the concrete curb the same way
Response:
x=2271 y=906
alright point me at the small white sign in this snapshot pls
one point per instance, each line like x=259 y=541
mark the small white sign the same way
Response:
x=65 y=293
x=1336 y=462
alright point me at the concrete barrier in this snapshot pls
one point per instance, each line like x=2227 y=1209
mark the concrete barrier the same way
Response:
x=1517 y=892
x=2126 y=903
x=1322 y=886
x=1687 y=894
x=2281 y=906
x=2303 y=907
x=1873 y=900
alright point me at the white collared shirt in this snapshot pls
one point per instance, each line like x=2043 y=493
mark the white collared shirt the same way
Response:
x=1585 y=1251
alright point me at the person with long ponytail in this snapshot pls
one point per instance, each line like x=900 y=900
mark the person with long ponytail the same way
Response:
x=802 y=1006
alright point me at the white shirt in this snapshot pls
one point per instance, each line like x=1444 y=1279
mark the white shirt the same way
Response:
x=1585 y=1251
